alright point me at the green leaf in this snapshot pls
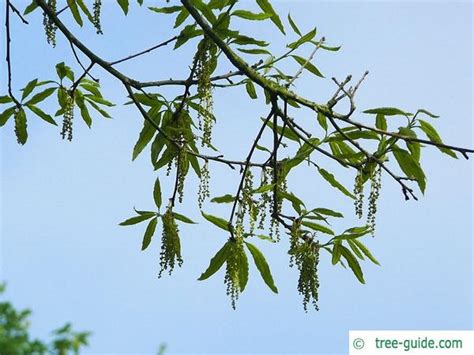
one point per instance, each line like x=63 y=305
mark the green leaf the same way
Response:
x=219 y=222
x=366 y=251
x=308 y=37
x=64 y=71
x=186 y=34
x=166 y=10
x=99 y=100
x=157 y=193
x=40 y=96
x=138 y=219
x=248 y=15
x=243 y=270
x=262 y=266
x=5 y=99
x=251 y=89
x=182 y=218
x=43 y=115
x=381 y=122
x=195 y=165
x=293 y=25
x=264 y=237
x=388 y=111
x=124 y=5
x=253 y=51
x=336 y=253
x=427 y=113
x=75 y=11
x=84 y=111
x=216 y=262
x=331 y=49
x=29 y=88
x=322 y=120
x=358 y=230
x=334 y=183
x=5 y=115
x=150 y=230
x=355 y=249
x=146 y=134
x=295 y=201
x=318 y=227
x=21 y=127
x=327 y=212
x=182 y=16
x=205 y=10
x=353 y=263
x=263 y=188
x=223 y=199
x=434 y=137
x=85 y=10
x=308 y=65
x=268 y=9
x=100 y=110
x=31 y=7
x=410 y=166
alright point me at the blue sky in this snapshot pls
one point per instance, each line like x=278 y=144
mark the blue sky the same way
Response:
x=64 y=256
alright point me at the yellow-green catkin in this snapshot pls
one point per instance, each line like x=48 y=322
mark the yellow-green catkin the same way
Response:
x=206 y=101
x=49 y=26
x=20 y=125
x=247 y=205
x=359 y=194
x=170 y=244
x=304 y=253
x=294 y=240
x=375 y=186
x=68 y=117
x=97 y=7
x=307 y=260
x=203 y=192
x=231 y=279
x=276 y=208
x=265 y=198
x=181 y=171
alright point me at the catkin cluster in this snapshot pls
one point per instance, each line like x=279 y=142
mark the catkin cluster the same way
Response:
x=359 y=194
x=276 y=205
x=182 y=161
x=265 y=199
x=20 y=125
x=247 y=205
x=307 y=260
x=375 y=185
x=305 y=255
x=96 y=16
x=68 y=117
x=49 y=26
x=170 y=244
x=231 y=279
x=203 y=192
x=206 y=102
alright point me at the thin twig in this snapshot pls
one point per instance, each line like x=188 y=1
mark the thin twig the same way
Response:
x=18 y=13
x=8 y=59
x=145 y=51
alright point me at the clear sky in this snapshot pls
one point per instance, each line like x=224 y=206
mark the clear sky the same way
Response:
x=65 y=257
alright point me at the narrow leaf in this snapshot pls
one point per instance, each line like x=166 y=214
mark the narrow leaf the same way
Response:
x=216 y=262
x=150 y=230
x=262 y=266
x=137 y=219
x=219 y=222
x=157 y=193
